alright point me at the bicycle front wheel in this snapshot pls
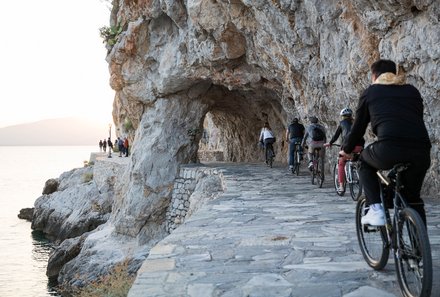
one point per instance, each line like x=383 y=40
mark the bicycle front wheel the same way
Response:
x=355 y=184
x=413 y=258
x=372 y=239
x=336 y=181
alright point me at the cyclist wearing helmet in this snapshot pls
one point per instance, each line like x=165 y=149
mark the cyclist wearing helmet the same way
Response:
x=343 y=130
x=294 y=134
x=395 y=112
x=314 y=138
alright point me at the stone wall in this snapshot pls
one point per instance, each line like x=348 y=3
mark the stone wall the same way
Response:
x=194 y=186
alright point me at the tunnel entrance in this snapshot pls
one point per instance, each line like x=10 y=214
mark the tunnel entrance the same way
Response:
x=232 y=125
x=210 y=147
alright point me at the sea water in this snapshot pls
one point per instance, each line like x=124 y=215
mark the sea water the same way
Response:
x=23 y=253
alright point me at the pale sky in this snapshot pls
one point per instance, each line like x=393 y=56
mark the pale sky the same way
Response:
x=52 y=61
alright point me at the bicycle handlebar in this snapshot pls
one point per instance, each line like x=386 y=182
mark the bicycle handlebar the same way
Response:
x=334 y=144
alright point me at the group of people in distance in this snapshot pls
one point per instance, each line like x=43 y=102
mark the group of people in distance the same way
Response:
x=121 y=144
x=394 y=110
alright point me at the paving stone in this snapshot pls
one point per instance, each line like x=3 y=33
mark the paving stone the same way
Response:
x=271 y=234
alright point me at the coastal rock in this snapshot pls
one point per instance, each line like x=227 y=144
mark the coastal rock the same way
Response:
x=63 y=253
x=26 y=214
x=50 y=186
x=82 y=203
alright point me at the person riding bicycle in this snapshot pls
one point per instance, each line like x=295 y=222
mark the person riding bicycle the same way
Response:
x=294 y=134
x=314 y=138
x=343 y=130
x=395 y=111
x=267 y=138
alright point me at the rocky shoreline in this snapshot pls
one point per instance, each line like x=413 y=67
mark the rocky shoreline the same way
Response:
x=74 y=213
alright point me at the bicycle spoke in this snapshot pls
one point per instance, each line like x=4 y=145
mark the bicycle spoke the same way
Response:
x=372 y=240
x=413 y=259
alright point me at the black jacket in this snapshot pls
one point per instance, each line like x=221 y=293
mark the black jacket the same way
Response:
x=395 y=113
x=343 y=130
x=296 y=130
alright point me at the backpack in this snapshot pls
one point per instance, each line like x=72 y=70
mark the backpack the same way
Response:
x=317 y=134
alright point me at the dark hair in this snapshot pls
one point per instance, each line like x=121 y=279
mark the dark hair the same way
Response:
x=382 y=66
x=295 y=120
x=266 y=125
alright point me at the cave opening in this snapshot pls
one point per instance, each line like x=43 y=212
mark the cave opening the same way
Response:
x=232 y=124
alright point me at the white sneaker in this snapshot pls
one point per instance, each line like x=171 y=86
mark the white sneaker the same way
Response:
x=290 y=167
x=310 y=166
x=374 y=217
x=340 y=189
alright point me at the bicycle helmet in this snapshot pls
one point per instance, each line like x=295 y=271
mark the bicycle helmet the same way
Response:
x=313 y=119
x=346 y=112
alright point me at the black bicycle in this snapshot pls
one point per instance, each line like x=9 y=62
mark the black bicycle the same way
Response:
x=404 y=233
x=297 y=158
x=317 y=171
x=351 y=177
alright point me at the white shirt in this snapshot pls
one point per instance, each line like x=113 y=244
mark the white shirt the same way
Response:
x=266 y=133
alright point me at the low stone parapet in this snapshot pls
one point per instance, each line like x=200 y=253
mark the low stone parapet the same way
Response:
x=194 y=186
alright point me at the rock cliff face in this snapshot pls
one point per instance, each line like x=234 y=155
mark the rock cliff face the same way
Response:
x=245 y=62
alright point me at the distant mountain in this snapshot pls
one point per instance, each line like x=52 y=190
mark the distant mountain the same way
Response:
x=62 y=131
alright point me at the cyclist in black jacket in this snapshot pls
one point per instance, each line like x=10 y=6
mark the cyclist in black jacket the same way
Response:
x=294 y=134
x=395 y=111
x=343 y=130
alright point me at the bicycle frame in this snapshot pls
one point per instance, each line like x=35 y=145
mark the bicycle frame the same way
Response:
x=399 y=203
x=348 y=171
x=404 y=234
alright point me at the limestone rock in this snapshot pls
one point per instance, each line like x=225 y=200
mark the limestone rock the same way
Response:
x=79 y=205
x=50 y=186
x=26 y=214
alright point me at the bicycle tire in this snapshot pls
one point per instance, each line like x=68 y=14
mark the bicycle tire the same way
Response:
x=320 y=171
x=297 y=163
x=372 y=240
x=271 y=153
x=413 y=259
x=313 y=173
x=355 y=184
x=336 y=181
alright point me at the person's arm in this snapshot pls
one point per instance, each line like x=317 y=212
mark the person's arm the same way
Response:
x=287 y=134
x=336 y=135
x=261 y=135
x=359 y=126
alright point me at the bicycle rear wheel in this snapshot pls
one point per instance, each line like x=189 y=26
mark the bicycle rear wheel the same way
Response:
x=372 y=239
x=297 y=162
x=413 y=258
x=320 y=172
x=336 y=181
x=355 y=184
x=271 y=153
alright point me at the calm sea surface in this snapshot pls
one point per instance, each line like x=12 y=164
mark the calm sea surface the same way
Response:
x=24 y=254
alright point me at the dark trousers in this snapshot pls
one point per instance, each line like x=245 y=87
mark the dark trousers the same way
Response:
x=386 y=154
x=292 y=146
x=268 y=144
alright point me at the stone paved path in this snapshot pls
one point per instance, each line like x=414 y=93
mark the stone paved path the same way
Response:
x=271 y=234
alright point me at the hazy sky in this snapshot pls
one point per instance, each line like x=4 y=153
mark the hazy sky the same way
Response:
x=52 y=61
